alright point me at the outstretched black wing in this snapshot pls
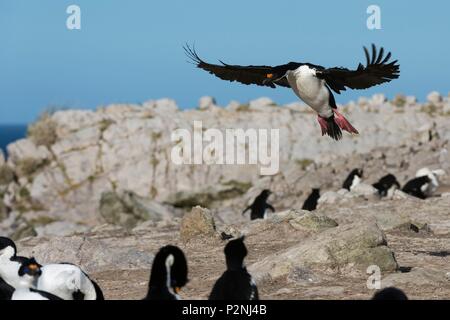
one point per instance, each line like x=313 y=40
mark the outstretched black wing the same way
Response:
x=259 y=75
x=377 y=71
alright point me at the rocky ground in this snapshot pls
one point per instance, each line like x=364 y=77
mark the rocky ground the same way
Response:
x=98 y=188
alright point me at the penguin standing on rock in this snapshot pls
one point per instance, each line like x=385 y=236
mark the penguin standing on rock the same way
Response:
x=235 y=283
x=259 y=206
x=386 y=184
x=353 y=179
x=169 y=274
x=310 y=203
x=29 y=273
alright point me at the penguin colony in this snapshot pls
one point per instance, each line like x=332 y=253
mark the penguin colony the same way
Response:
x=24 y=278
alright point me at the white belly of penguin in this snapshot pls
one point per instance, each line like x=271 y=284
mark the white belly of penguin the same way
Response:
x=311 y=90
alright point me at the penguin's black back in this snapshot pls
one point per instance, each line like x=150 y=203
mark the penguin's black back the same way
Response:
x=259 y=206
x=413 y=186
x=310 y=203
x=349 y=180
x=385 y=183
x=390 y=293
x=234 y=285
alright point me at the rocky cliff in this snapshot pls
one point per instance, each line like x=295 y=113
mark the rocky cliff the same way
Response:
x=99 y=188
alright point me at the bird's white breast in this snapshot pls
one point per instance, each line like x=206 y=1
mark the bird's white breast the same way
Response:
x=310 y=89
x=63 y=280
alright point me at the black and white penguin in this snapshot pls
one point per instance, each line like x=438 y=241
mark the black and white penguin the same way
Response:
x=64 y=280
x=417 y=186
x=430 y=188
x=353 y=179
x=169 y=274
x=235 y=283
x=311 y=83
x=10 y=264
x=310 y=203
x=29 y=273
x=390 y=293
x=386 y=184
x=259 y=206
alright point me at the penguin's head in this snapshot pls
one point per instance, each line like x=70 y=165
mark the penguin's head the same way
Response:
x=29 y=272
x=235 y=252
x=266 y=193
x=30 y=268
x=358 y=172
x=8 y=248
x=169 y=269
x=316 y=190
x=390 y=293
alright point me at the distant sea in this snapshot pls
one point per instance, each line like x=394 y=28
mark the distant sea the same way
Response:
x=10 y=133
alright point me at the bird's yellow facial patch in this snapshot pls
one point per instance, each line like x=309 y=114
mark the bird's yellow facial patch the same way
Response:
x=33 y=267
x=177 y=290
x=269 y=75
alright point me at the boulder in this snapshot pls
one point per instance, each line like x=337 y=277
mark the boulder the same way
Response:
x=434 y=98
x=198 y=223
x=350 y=247
x=206 y=103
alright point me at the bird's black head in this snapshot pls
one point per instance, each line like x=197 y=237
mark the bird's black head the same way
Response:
x=169 y=269
x=7 y=243
x=389 y=181
x=235 y=252
x=390 y=293
x=31 y=268
x=316 y=190
x=265 y=193
x=357 y=172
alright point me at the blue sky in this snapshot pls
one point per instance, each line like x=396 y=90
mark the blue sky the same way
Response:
x=131 y=51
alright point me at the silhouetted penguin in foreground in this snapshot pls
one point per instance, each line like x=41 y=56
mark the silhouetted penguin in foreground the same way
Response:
x=353 y=179
x=259 y=206
x=417 y=186
x=385 y=184
x=310 y=203
x=390 y=293
x=235 y=283
x=169 y=274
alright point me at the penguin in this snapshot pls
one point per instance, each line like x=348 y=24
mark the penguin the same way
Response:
x=416 y=187
x=29 y=273
x=390 y=293
x=9 y=267
x=310 y=203
x=64 y=280
x=386 y=184
x=430 y=188
x=353 y=179
x=168 y=275
x=235 y=283
x=259 y=206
